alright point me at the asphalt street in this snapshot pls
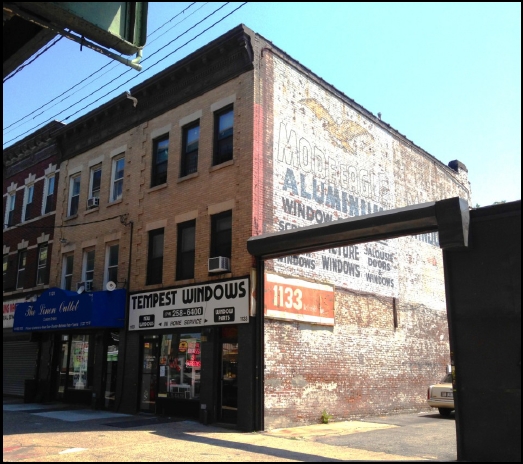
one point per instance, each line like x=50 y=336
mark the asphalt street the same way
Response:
x=64 y=433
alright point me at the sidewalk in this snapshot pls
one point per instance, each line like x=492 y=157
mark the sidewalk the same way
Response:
x=54 y=433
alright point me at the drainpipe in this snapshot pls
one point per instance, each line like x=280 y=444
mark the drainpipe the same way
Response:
x=123 y=220
x=259 y=363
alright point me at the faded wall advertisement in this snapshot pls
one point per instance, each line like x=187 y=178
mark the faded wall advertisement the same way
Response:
x=331 y=163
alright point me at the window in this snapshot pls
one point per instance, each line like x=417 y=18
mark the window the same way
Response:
x=95 y=181
x=221 y=234
x=6 y=264
x=88 y=268
x=191 y=140
x=186 y=247
x=160 y=157
x=49 y=194
x=117 y=178
x=223 y=127
x=9 y=210
x=41 y=272
x=22 y=261
x=67 y=271
x=28 y=201
x=155 y=261
x=180 y=360
x=111 y=263
x=74 y=194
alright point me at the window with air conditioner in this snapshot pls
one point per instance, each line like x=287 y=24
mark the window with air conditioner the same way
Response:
x=221 y=240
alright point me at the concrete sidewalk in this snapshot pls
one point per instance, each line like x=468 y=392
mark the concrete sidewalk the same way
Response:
x=54 y=433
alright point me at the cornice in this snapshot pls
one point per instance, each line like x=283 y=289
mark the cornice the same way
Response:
x=207 y=68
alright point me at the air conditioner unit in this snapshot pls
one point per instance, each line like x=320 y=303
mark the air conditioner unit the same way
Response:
x=219 y=264
x=93 y=202
x=87 y=286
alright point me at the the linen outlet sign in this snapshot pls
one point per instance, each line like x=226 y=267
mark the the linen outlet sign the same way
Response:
x=194 y=306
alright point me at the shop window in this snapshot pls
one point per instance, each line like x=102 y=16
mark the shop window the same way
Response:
x=191 y=141
x=49 y=201
x=28 y=202
x=10 y=210
x=74 y=194
x=159 y=162
x=180 y=365
x=75 y=366
x=186 y=249
x=41 y=272
x=67 y=271
x=221 y=234
x=155 y=257
x=223 y=132
x=111 y=263
x=22 y=262
x=117 y=178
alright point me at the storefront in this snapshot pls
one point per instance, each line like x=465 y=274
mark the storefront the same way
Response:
x=190 y=341
x=79 y=335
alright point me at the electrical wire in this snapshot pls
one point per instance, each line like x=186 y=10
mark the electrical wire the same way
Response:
x=135 y=77
x=17 y=70
x=113 y=63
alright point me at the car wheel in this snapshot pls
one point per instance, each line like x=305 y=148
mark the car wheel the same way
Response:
x=445 y=412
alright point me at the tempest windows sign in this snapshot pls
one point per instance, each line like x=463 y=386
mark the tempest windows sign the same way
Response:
x=195 y=306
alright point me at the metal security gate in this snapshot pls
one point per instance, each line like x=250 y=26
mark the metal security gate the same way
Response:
x=19 y=364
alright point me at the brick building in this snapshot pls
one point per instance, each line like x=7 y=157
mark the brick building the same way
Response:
x=160 y=193
x=30 y=175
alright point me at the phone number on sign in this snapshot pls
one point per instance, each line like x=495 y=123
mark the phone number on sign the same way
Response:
x=183 y=312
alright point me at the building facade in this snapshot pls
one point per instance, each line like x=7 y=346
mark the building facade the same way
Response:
x=160 y=194
x=30 y=175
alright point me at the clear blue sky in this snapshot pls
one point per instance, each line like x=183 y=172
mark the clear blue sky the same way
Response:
x=446 y=75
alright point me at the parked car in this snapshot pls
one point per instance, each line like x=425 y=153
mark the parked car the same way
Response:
x=441 y=396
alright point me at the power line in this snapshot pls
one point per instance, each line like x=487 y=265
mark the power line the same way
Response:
x=108 y=93
x=14 y=73
x=92 y=74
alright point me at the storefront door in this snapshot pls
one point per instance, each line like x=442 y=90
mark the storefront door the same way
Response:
x=228 y=410
x=111 y=365
x=149 y=387
x=74 y=369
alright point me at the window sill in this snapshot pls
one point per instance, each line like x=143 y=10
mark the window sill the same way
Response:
x=115 y=202
x=187 y=177
x=91 y=210
x=69 y=218
x=157 y=187
x=221 y=165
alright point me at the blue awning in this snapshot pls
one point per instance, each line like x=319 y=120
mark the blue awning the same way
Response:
x=58 y=309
